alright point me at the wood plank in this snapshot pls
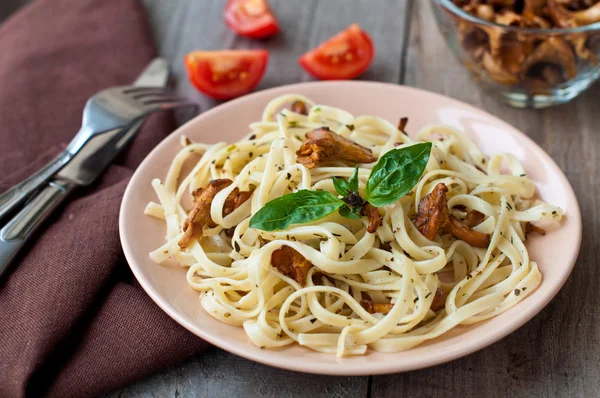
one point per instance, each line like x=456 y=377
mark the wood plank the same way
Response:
x=555 y=354
x=220 y=374
x=383 y=21
x=182 y=26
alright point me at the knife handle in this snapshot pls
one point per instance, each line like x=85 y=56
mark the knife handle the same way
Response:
x=18 y=230
x=10 y=199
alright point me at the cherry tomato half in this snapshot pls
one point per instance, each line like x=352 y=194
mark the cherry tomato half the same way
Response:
x=251 y=18
x=344 y=56
x=226 y=74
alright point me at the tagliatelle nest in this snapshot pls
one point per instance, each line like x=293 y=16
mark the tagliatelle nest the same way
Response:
x=346 y=284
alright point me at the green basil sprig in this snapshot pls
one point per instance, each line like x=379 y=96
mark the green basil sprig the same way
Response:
x=348 y=190
x=394 y=175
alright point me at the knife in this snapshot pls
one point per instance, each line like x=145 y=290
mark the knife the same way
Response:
x=84 y=168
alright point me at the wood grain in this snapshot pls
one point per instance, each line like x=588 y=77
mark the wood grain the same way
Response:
x=181 y=26
x=557 y=354
x=217 y=373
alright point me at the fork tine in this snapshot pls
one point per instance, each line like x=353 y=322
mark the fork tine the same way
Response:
x=156 y=100
x=134 y=89
x=139 y=91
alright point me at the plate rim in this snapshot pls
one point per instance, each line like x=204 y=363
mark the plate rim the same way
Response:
x=385 y=367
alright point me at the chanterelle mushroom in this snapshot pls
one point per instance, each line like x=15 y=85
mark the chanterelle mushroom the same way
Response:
x=299 y=107
x=565 y=18
x=235 y=200
x=438 y=303
x=291 y=263
x=474 y=218
x=439 y=300
x=199 y=216
x=551 y=63
x=433 y=212
x=529 y=227
x=322 y=145
x=373 y=215
x=532 y=8
x=475 y=41
x=373 y=307
x=496 y=72
x=538 y=61
x=508 y=49
x=433 y=217
x=579 y=41
x=402 y=124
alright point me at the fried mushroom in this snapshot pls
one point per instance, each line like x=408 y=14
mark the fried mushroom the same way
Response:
x=372 y=307
x=299 y=107
x=323 y=145
x=433 y=212
x=234 y=200
x=439 y=300
x=402 y=125
x=529 y=227
x=291 y=263
x=438 y=303
x=474 y=218
x=462 y=232
x=372 y=214
x=433 y=217
x=199 y=216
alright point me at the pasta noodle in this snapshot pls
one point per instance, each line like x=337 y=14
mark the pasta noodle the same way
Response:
x=397 y=265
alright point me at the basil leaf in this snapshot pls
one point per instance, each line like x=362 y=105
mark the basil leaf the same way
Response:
x=346 y=211
x=295 y=208
x=353 y=181
x=341 y=186
x=344 y=187
x=396 y=173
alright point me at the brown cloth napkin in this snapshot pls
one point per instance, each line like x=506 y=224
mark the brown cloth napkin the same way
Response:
x=72 y=322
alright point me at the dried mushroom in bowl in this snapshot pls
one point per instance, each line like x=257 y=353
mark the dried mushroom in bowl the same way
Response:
x=537 y=60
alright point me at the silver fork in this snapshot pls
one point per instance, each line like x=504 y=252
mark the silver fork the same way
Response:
x=107 y=110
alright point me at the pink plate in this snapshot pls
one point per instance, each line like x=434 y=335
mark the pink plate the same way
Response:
x=555 y=253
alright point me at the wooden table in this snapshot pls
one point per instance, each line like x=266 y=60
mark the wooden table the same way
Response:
x=555 y=354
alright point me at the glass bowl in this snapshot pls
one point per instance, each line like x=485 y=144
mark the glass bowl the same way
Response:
x=524 y=67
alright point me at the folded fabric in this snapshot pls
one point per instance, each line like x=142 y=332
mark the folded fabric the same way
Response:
x=72 y=320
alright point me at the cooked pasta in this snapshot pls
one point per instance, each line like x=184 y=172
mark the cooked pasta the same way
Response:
x=352 y=272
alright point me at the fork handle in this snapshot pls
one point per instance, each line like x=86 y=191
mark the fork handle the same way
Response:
x=10 y=199
x=18 y=230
